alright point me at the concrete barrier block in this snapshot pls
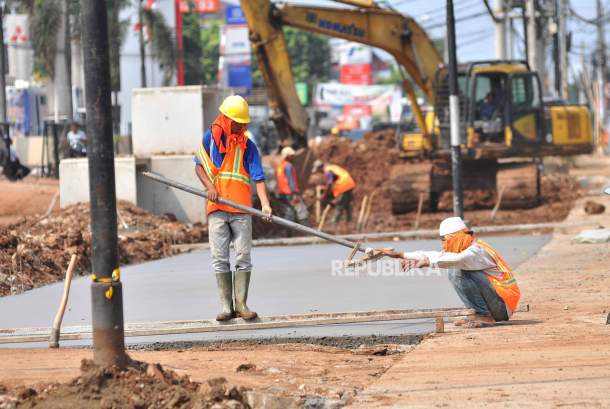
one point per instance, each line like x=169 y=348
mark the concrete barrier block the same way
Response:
x=74 y=180
x=159 y=199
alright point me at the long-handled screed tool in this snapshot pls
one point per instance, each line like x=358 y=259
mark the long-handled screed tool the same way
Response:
x=356 y=247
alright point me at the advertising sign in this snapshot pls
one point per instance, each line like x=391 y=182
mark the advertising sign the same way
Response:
x=234 y=15
x=356 y=74
x=234 y=40
x=332 y=93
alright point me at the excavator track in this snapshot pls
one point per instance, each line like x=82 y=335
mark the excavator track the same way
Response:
x=483 y=180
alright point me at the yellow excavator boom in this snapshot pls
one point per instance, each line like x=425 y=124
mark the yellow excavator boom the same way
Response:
x=388 y=30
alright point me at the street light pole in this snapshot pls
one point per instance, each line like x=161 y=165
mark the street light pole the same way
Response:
x=106 y=289
x=2 y=71
x=454 y=117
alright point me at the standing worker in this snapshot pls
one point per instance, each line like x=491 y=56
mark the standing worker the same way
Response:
x=479 y=275
x=339 y=188
x=226 y=162
x=288 y=186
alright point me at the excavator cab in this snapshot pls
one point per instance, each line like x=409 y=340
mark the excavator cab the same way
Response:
x=504 y=104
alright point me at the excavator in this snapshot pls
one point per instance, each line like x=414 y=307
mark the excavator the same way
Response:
x=505 y=127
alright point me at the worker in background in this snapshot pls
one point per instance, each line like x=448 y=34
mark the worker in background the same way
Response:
x=335 y=132
x=288 y=186
x=479 y=275
x=12 y=168
x=488 y=107
x=226 y=163
x=339 y=188
x=77 y=140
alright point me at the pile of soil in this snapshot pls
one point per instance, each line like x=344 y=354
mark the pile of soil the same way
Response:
x=141 y=385
x=35 y=252
x=372 y=161
x=369 y=161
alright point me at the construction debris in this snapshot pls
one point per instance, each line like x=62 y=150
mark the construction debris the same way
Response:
x=374 y=160
x=592 y=207
x=141 y=385
x=36 y=252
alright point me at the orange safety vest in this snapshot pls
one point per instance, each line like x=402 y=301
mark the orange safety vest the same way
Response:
x=232 y=180
x=506 y=286
x=344 y=180
x=283 y=187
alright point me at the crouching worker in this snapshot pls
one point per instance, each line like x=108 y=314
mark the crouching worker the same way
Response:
x=226 y=162
x=479 y=275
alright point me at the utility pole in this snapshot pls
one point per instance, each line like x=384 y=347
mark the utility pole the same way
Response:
x=532 y=40
x=454 y=117
x=500 y=25
x=563 y=47
x=142 y=45
x=106 y=288
x=68 y=59
x=2 y=73
x=179 y=43
x=601 y=65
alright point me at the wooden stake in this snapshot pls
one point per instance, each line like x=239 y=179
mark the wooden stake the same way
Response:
x=420 y=206
x=318 y=202
x=362 y=210
x=440 y=325
x=368 y=210
x=54 y=337
x=323 y=218
x=498 y=202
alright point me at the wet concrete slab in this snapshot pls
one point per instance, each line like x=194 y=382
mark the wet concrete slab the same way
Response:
x=286 y=280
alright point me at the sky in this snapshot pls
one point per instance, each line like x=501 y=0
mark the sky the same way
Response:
x=475 y=28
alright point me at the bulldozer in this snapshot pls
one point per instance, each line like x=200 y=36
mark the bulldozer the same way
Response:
x=505 y=128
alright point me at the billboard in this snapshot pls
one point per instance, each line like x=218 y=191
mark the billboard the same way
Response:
x=332 y=93
x=354 y=53
x=356 y=74
x=234 y=15
x=234 y=40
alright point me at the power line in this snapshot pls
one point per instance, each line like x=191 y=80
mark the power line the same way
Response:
x=458 y=20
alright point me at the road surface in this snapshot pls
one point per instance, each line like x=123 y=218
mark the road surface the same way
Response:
x=286 y=280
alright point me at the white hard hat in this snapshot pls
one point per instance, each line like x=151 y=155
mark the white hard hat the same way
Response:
x=451 y=225
x=317 y=165
x=607 y=191
x=287 y=151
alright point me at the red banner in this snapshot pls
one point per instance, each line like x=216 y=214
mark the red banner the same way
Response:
x=357 y=111
x=200 y=6
x=361 y=74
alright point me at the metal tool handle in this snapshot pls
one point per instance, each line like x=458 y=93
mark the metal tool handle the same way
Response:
x=255 y=212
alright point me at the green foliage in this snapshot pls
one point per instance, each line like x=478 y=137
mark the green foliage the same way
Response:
x=117 y=30
x=193 y=50
x=210 y=51
x=45 y=22
x=309 y=55
x=162 y=41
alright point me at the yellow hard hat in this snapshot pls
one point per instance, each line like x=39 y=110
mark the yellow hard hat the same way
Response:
x=236 y=108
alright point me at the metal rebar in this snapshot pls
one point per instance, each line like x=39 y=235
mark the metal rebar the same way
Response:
x=255 y=212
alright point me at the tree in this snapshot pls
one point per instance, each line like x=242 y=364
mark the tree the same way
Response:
x=193 y=49
x=309 y=57
x=163 y=43
x=210 y=51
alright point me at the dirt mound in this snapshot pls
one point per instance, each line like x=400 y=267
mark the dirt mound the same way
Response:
x=375 y=163
x=369 y=161
x=35 y=252
x=141 y=385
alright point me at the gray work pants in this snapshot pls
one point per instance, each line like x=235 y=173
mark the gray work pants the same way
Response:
x=476 y=292
x=224 y=228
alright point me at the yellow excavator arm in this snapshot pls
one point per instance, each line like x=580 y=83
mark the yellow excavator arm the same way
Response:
x=368 y=24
